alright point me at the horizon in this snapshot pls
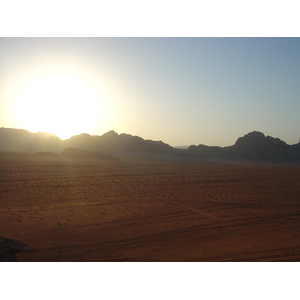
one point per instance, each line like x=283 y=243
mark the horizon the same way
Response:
x=126 y=133
x=179 y=90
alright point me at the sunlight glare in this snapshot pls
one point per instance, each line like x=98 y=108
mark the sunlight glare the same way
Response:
x=60 y=104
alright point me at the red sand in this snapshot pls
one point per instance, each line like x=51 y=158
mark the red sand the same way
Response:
x=92 y=210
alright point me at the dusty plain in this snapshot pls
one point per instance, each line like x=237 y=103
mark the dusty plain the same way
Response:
x=129 y=210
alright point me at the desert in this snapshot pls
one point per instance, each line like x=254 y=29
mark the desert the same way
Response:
x=179 y=210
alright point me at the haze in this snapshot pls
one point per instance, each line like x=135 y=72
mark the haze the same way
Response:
x=180 y=90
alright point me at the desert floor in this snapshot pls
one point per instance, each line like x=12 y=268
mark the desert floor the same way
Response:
x=126 y=210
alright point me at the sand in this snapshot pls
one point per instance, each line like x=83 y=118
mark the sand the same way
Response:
x=127 y=210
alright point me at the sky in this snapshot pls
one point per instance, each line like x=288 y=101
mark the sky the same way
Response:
x=183 y=91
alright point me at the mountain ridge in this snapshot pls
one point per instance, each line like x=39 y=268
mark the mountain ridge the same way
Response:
x=252 y=146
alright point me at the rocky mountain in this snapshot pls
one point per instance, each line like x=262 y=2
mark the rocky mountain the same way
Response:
x=128 y=143
x=110 y=143
x=253 y=146
x=256 y=145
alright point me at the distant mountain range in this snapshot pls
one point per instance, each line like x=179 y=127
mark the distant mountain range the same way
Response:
x=110 y=143
x=253 y=146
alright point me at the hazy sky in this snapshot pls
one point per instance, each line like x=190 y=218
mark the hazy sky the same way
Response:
x=182 y=91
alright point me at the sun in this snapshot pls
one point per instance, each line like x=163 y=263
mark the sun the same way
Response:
x=61 y=104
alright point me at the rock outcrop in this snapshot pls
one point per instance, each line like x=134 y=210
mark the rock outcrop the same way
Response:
x=9 y=248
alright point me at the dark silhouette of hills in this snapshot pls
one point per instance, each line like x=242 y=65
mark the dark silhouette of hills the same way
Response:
x=128 y=143
x=254 y=146
x=110 y=143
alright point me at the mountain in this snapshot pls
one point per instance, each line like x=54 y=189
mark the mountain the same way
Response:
x=86 y=142
x=128 y=143
x=110 y=143
x=18 y=140
x=256 y=145
x=253 y=146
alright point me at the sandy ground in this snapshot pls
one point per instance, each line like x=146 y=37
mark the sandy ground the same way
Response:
x=92 y=210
